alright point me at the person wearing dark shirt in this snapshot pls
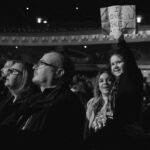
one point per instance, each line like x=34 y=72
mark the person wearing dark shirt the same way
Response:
x=128 y=95
x=20 y=89
x=4 y=71
x=56 y=118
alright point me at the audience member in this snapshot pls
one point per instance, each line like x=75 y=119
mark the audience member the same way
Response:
x=100 y=111
x=82 y=87
x=20 y=89
x=55 y=120
x=4 y=72
x=128 y=95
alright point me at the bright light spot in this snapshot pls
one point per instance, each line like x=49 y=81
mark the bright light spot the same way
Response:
x=38 y=19
x=85 y=46
x=139 y=19
x=77 y=8
x=16 y=46
x=45 y=21
x=27 y=8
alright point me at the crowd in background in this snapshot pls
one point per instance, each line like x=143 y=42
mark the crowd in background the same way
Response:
x=47 y=105
x=84 y=85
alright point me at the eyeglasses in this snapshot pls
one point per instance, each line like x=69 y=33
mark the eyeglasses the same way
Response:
x=14 y=71
x=40 y=63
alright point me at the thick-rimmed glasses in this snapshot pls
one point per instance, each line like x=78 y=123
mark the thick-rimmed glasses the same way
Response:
x=40 y=63
x=14 y=71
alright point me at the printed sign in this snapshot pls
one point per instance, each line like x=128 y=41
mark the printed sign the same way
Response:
x=116 y=20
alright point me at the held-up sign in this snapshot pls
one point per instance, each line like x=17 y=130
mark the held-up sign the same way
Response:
x=118 y=19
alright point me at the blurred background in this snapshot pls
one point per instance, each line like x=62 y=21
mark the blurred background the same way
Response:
x=32 y=27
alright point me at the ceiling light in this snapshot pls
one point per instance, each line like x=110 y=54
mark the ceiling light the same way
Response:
x=38 y=19
x=77 y=8
x=45 y=21
x=139 y=19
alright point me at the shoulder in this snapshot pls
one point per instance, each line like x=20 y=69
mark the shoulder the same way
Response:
x=68 y=98
x=67 y=94
x=91 y=102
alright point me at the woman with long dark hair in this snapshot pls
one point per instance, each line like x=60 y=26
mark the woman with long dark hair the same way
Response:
x=127 y=94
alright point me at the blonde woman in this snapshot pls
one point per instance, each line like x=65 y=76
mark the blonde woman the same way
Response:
x=100 y=107
x=100 y=111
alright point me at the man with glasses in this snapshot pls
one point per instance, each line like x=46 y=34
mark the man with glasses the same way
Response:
x=56 y=118
x=3 y=75
x=5 y=68
x=48 y=71
x=20 y=91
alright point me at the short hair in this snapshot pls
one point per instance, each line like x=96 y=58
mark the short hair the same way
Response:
x=9 y=60
x=131 y=67
x=4 y=66
x=67 y=64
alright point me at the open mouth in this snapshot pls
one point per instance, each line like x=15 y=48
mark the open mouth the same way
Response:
x=106 y=87
x=117 y=71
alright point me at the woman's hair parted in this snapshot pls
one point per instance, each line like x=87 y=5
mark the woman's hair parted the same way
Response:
x=97 y=91
x=26 y=80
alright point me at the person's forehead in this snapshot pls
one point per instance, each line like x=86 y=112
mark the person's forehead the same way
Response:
x=8 y=63
x=51 y=57
x=103 y=75
x=116 y=57
x=18 y=66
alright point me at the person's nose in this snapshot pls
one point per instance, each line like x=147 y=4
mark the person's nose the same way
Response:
x=34 y=67
x=115 y=65
x=2 y=70
x=105 y=81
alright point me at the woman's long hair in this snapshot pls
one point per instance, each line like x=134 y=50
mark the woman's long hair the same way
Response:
x=97 y=92
x=131 y=68
x=26 y=80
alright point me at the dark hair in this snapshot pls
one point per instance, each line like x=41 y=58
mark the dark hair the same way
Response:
x=122 y=49
x=131 y=68
x=69 y=69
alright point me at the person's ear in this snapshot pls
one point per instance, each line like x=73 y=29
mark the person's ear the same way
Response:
x=60 y=72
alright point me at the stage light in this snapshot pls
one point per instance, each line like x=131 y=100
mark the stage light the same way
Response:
x=139 y=19
x=44 y=21
x=38 y=19
x=77 y=8
x=27 y=8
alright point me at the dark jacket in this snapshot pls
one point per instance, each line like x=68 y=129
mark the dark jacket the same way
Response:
x=9 y=111
x=129 y=93
x=128 y=96
x=54 y=119
x=3 y=90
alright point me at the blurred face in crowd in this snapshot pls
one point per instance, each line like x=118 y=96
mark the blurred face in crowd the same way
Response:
x=4 y=70
x=117 y=65
x=105 y=83
x=46 y=70
x=14 y=76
